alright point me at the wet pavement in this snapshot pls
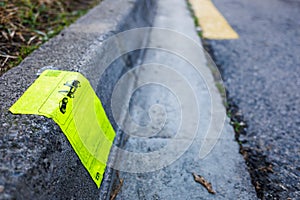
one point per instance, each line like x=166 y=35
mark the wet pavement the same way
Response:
x=261 y=71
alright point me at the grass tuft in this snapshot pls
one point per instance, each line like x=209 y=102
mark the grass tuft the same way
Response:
x=26 y=24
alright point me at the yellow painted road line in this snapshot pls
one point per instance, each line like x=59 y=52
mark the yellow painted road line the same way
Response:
x=213 y=24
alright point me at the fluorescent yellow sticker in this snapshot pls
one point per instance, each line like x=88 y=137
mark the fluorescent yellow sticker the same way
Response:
x=69 y=99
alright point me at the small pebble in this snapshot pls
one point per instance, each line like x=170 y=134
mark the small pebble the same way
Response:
x=5 y=125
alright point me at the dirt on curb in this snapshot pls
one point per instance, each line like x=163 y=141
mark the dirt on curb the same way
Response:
x=258 y=166
x=26 y=24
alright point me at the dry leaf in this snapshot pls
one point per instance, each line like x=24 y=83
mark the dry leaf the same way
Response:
x=31 y=39
x=202 y=181
x=12 y=34
x=5 y=35
x=117 y=189
x=21 y=36
x=6 y=59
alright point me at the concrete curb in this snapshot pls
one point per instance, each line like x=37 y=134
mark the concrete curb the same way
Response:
x=36 y=160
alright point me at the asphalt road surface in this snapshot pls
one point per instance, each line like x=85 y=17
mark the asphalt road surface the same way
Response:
x=261 y=71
